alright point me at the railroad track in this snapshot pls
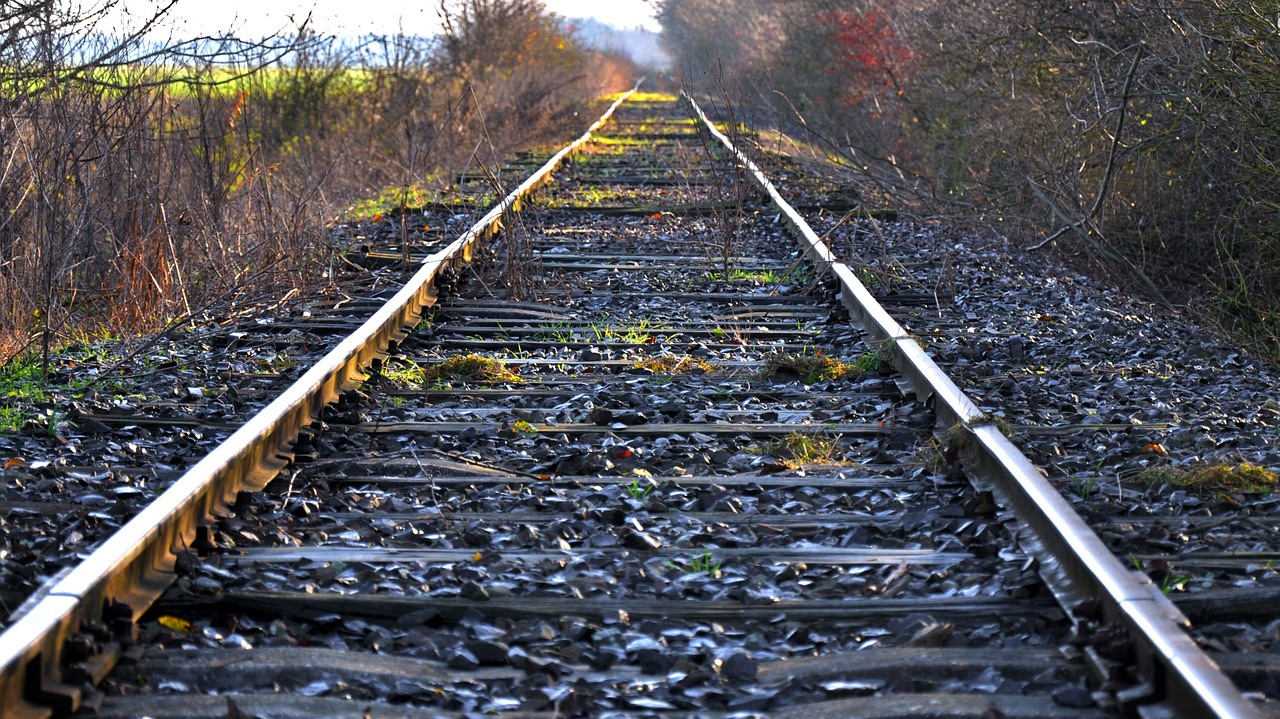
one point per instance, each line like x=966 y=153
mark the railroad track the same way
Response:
x=628 y=456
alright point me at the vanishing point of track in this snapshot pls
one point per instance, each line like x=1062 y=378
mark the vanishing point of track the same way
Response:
x=682 y=482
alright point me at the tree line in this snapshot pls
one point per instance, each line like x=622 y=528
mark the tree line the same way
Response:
x=1136 y=135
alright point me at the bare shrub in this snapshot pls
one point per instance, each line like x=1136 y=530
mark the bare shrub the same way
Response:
x=148 y=184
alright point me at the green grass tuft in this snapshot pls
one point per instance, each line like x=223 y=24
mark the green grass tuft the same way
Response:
x=811 y=368
x=673 y=365
x=470 y=368
x=1243 y=477
x=802 y=448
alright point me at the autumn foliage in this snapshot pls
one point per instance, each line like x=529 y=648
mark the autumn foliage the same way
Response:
x=869 y=58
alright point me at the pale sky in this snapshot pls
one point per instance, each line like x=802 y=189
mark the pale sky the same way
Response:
x=259 y=18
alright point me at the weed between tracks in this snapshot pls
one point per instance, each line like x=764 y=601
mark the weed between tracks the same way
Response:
x=704 y=563
x=800 y=448
x=764 y=277
x=817 y=367
x=522 y=428
x=554 y=332
x=1162 y=573
x=405 y=375
x=638 y=491
x=470 y=368
x=960 y=442
x=635 y=334
x=1243 y=477
x=1085 y=485
x=933 y=457
x=673 y=365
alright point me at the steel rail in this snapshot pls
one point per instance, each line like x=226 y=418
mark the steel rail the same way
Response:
x=80 y=615
x=1075 y=562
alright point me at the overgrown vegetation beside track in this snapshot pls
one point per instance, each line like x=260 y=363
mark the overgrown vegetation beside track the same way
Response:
x=1138 y=137
x=147 y=184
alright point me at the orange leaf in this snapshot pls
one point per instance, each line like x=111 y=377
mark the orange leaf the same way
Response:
x=376 y=217
x=656 y=216
x=1157 y=448
x=15 y=462
x=623 y=453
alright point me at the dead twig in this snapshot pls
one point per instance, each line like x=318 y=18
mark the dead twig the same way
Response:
x=1109 y=173
x=1092 y=243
